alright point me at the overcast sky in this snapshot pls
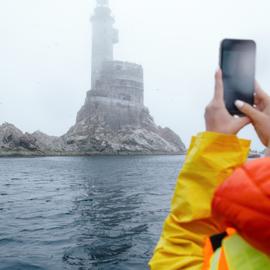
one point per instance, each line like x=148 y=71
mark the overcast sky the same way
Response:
x=45 y=54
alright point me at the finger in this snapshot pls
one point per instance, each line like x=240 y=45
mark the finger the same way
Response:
x=259 y=93
x=248 y=110
x=261 y=98
x=257 y=100
x=258 y=105
x=218 y=86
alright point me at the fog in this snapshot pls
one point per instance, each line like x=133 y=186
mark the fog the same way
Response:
x=45 y=53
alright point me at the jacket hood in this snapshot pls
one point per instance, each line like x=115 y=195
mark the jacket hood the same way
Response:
x=243 y=202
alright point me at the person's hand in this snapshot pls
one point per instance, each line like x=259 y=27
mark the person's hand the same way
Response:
x=217 y=117
x=260 y=115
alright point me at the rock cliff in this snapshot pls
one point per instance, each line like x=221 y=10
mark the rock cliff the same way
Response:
x=13 y=142
x=91 y=137
x=96 y=134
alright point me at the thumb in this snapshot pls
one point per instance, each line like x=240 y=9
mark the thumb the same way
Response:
x=248 y=110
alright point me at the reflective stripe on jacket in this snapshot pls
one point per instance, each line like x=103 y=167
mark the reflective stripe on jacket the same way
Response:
x=211 y=158
x=236 y=254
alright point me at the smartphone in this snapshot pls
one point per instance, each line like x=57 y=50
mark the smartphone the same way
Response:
x=237 y=62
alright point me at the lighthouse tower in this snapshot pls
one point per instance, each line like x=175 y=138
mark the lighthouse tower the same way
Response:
x=103 y=39
x=114 y=118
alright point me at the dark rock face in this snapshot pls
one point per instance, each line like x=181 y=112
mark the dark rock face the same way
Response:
x=101 y=130
x=14 y=142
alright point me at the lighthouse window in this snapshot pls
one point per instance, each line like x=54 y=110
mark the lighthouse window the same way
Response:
x=125 y=97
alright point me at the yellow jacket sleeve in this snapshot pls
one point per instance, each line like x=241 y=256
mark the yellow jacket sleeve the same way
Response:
x=211 y=158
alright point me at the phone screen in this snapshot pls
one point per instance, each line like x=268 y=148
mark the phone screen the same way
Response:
x=238 y=68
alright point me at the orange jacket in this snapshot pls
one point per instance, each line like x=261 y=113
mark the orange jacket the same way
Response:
x=243 y=202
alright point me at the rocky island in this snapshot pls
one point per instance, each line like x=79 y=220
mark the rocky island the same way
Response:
x=113 y=120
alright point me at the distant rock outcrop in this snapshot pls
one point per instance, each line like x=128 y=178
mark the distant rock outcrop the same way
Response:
x=13 y=142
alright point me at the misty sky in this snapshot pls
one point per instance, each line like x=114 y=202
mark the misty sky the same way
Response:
x=45 y=53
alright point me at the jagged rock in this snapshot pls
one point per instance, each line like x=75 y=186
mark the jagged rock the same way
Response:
x=14 y=142
x=48 y=143
x=94 y=134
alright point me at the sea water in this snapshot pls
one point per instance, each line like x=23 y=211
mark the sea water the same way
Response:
x=83 y=212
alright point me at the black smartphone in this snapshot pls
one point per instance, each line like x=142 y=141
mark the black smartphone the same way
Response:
x=237 y=62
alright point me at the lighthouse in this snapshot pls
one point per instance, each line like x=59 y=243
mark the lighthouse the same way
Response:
x=103 y=38
x=114 y=118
